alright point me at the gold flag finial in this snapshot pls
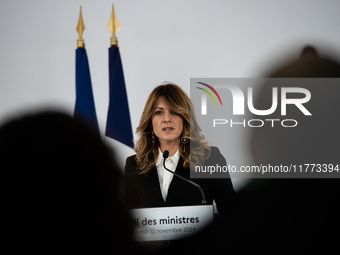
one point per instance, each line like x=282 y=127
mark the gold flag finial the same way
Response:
x=113 y=26
x=80 y=28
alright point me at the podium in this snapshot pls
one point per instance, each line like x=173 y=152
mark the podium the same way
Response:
x=170 y=223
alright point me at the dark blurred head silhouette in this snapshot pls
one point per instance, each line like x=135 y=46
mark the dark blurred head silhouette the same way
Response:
x=287 y=215
x=308 y=65
x=299 y=213
x=315 y=138
x=59 y=189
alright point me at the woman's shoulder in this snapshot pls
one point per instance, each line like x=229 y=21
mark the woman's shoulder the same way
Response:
x=130 y=163
x=215 y=151
x=215 y=155
x=131 y=158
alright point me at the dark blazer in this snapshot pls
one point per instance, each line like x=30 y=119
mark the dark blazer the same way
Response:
x=143 y=191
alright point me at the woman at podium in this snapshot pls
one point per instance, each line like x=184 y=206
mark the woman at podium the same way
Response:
x=167 y=125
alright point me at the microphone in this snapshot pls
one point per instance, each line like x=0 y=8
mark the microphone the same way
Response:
x=165 y=156
x=150 y=157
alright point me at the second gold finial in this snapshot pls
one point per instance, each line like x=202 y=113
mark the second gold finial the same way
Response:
x=113 y=26
x=80 y=28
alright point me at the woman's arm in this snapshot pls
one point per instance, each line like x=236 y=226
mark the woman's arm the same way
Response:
x=130 y=194
x=222 y=188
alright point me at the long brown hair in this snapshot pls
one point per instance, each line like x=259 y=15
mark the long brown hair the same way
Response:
x=197 y=149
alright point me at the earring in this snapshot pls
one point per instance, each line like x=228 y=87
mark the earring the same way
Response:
x=184 y=141
x=153 y=141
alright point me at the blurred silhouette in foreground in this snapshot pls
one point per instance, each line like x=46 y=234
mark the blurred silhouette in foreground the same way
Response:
x=59 y=189
x=287 y=215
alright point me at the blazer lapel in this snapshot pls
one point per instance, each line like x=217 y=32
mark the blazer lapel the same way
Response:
x=177 y=184
x=151 y=185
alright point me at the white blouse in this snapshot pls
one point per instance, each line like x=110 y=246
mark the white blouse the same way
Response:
x=164 y=176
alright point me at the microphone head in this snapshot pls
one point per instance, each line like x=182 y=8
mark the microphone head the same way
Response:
x=166 y=154
x=150 y=155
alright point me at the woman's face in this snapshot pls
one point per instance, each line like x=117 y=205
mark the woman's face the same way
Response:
x=167 y=125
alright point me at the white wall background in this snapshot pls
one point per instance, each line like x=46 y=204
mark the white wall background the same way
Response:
x=159 y=41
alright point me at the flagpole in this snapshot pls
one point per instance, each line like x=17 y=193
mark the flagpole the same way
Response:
x=118 y=126
x=113 y=26
x=84 y=107
x=80 y=29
